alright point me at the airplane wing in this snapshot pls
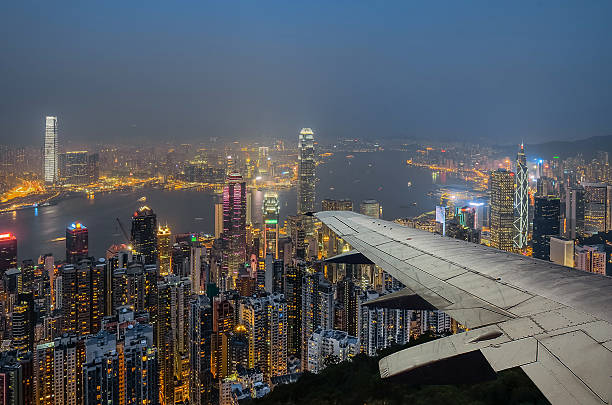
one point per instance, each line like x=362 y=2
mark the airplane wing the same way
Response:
x=552 y=321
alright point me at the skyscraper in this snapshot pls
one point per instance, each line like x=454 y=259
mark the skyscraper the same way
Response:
x=77 y=242
x=306 y=175
x=370 y=208
x=574 y=211
x=234 y=226
x=336 y=205
x=200 y=345
x=77 y=167
x=144 y=234
x=8 y=252
x=51 y=164
x=501 y=187
x=545 y=224
x=271 y=209
x=521 y=201
x=596 y=207
x=164 y=250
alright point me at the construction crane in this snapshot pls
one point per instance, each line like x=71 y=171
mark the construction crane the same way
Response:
x=125 y=234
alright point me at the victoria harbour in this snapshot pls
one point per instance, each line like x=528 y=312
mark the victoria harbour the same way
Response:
x=408 y=191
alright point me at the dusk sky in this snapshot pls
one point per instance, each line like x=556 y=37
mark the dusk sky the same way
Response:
x=502 y=71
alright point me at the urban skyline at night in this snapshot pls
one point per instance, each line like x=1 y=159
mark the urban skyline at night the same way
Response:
x=347 y=203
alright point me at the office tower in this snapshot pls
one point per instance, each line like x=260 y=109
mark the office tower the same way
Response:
x=306 y=172
x=121 y=369
x=370 y=208
x=574 y=211
x=271 y=210
x=224 y=321
x=82 y=298
x=382 y=327
x=234 y=226
x=293 y=295
x=591 y=258
x=263 y=161
x=197 y=262
x=15 y=383
x=22 y=323
x=546 y=222
x=77 y=242
x=264 y=320
x=173 y=337
x=51 y=164
x=324 y=344
x=297 y=231
x=58 y=377
x=144 y=234
x=521 y=201
x=8 y=252
x=596 y=207
x=164 y=250
x=562 y=251
x=93 y=168
x=336 y=205
x=501 y=186
x=200 y=345
x=218 y=219
x=77 y=168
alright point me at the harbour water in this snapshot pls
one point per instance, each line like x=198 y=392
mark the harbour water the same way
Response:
x=402 y=190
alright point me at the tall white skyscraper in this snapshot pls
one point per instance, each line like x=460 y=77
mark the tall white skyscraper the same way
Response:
x=521 y=201
x=51 y=164
x=306 y=172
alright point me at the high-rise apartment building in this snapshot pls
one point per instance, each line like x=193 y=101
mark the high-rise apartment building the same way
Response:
x=264 y=318
x=521 y=201
x=51 y=151
x=271 y=210
x=144 y=234
x=82 y=298
x=234 y=227
x=324 y=343
x=77 y=242
x=501 y=186
x=546 y=222
x=329 y=204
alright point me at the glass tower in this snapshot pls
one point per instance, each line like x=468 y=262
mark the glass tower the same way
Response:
x=50 y=168
x=521 y=201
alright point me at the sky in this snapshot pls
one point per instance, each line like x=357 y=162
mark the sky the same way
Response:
x=190 y=70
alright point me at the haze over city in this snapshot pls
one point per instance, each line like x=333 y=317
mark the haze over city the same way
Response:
x=155 y=71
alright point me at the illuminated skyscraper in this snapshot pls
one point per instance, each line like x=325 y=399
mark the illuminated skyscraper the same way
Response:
x=596 y=207
x=521 y=201
x=370 y=208
x=306 y=175
x=501 y=187
x=336 y=205
x=77 y=168
x=82 y=298
x=77 y=242
x=271 y=210
x=8 y=252
x=164 y=250
x=234 y=226
x=265 y=321
x=200 y=345
x=144 y=234
x=218 y=219
x=51 y=163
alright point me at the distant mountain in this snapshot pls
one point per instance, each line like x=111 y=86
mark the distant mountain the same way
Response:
x=358 y=382
x=565 y=149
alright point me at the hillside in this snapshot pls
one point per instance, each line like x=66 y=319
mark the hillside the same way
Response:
x=358 y=382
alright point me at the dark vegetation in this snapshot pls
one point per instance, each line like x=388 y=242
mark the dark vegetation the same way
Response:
x=358 y=382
